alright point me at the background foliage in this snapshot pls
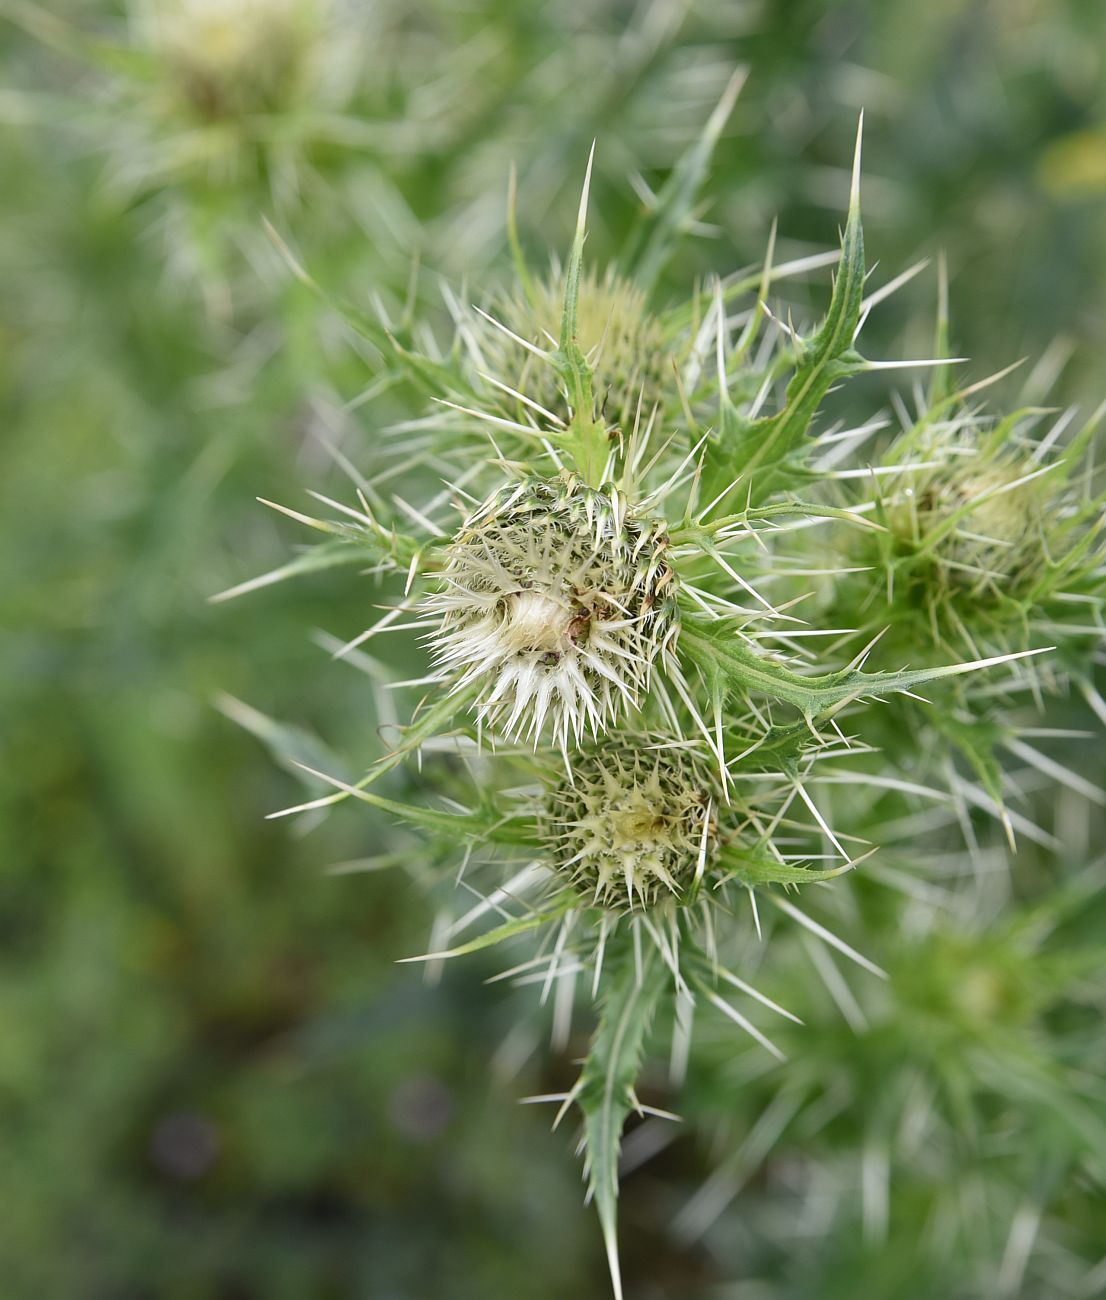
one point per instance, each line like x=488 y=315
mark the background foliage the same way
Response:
x=214 y=1080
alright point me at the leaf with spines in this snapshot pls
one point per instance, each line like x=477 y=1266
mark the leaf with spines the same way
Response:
x=728 y=665
x=328 y=555
x=294 y=748
x=303 y=754
x=354 y=543
x=978 y=739
x=651 y=245
x=753 y=869
x=753 y=455
x=605 y=1090
x=431 y=377
x=483 y=823
x=432 y=722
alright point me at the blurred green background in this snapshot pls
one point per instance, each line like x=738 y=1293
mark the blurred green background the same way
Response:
x=214 y=1080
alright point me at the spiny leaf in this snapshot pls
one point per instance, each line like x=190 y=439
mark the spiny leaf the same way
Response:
x=651 y=245
x=426 y=725
x=431 y=723
x=751 y=869
x=752 y=454
x=585 y=438
x=302 y=753
x=354 y=543
x=330 y=555
x=522 y=271
x=293 y=747
x=605 y=1092
x=698 y=533
x=978 y=740
x=728 y=665
x=431 y=377
x=482 y=824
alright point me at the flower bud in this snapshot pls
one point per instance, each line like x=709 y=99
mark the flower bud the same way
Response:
x=625 y=345
x=633 y=826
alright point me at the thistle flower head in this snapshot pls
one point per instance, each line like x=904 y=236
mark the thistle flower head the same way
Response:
x=556 y=602
x=984 y=526
x=625 y=345
x=989 y=533
x=227 y=59
x=634 y=826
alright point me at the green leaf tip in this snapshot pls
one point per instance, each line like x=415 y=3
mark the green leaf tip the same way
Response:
x=585 y=438
x=854 y=188
x=575 y=261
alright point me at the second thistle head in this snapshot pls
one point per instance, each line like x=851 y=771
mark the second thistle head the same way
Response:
x=983 y=526
x=556 y=602
x=626 y=346
x=635 y=826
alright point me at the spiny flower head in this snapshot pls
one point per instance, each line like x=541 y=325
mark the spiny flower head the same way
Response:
x=983 y=527
x=989 y=540
x=627 y=348
x=556 y=602
x=633 y=826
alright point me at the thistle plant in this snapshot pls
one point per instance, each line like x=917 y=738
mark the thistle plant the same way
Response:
x=974 y=1037
x=640 y=719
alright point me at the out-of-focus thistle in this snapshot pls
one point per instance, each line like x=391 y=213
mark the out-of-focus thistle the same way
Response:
x=991 y=535
x=208 y=114
x=977 y=1040
x=990 y=541
x=228 y=60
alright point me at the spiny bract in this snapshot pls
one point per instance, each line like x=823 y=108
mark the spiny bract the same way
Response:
x=556 y=602
x=634 y=826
